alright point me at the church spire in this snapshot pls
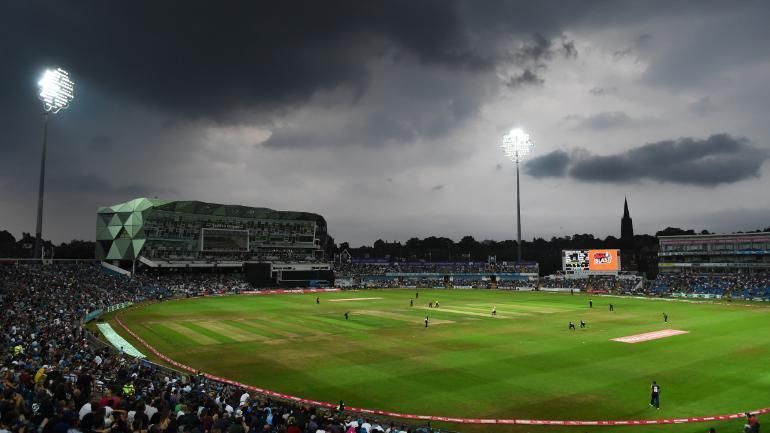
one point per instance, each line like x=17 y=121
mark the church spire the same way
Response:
x=625 y=208
x=626 y=223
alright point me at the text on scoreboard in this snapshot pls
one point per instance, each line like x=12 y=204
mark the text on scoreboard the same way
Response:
x=579 y=261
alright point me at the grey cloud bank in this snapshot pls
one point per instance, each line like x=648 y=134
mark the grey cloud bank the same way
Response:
x=717 y=159
x=390 y=113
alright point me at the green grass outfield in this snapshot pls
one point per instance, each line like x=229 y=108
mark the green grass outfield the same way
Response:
x=524 y=363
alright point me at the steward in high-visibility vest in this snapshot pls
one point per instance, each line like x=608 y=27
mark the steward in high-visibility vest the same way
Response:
x=128 y=389
x=40 y=375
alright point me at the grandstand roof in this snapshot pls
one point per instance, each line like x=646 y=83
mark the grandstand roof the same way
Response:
x=213 y=209
x=714 y=235
x=120 y=231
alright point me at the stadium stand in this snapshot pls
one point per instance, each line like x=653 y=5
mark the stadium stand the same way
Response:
x=56 y=377
x=746 y=286
x=606 y=283
x=376 y=273
x=356 y=269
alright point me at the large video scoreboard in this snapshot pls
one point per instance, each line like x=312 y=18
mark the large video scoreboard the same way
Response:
x=591 y=261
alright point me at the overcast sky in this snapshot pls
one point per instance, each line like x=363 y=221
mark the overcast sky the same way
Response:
x=386 y=117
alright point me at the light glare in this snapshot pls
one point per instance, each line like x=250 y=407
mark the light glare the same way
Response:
x=516 y=144
x=56 y=90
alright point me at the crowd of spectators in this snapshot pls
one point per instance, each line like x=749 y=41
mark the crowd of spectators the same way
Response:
x=630 y=285
x=607 y=283
x=739 y=285
x=55 y=378
x=516 y=284
x=378 y=283
x=185 y=284
x=475 y=282
x=362 y=269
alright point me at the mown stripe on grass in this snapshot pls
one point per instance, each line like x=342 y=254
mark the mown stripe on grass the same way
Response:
x=269 y=328
x=208 y=333
x=378 y=320
x=465 y=312
x=258 y=331
x=500 y=309
x=170 y=336
x=294 y=329
x=341 y=324
x=390 y=315
x=231 y=331
x=540 y=307
x=194 y=337
x=307 y=322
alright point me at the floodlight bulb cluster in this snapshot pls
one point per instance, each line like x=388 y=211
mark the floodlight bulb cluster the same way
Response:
x=516 y=144
x=56 y=90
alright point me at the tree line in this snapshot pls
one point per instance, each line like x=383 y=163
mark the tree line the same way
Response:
x=10 y=247
x=640 y=254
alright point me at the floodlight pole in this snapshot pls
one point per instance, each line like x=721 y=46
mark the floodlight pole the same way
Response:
x=518 y=212
x=517 y=145
x=41 y=192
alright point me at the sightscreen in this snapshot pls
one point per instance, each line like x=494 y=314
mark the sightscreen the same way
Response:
x=224 y=240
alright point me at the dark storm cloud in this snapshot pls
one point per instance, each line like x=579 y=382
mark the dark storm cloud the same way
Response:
x=533 y=57
x=568 y=49
x=537 y=50
x=740 y=40
x=204 y=58
x=437 y=188
x=527 y=77
x=175 y=94
x=719 y=159
x=93 y=184
x=552 y=164
x=606 y=120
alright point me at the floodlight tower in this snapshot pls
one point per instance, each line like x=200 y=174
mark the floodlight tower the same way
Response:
x=516 y=145
x=56 y=92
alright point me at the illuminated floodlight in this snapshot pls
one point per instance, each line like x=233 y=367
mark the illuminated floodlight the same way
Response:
x=516 y=144
x=56 y=90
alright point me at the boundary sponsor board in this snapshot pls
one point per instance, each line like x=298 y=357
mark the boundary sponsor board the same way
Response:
x=286 y=291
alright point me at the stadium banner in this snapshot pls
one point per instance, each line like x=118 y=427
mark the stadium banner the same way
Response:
x=117 y=307
x=714 y=265
x=286 y=291
x=93 y=315
x=559 y=289
x=696 y=295
x=328 y=405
